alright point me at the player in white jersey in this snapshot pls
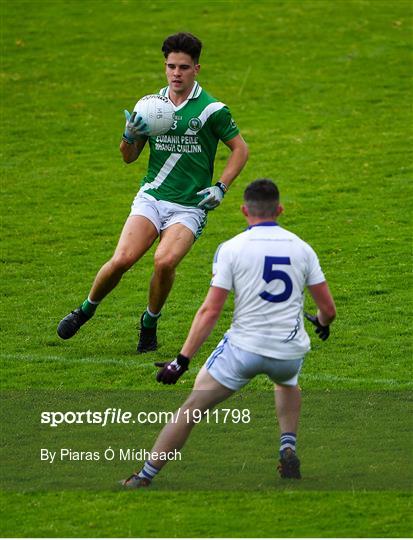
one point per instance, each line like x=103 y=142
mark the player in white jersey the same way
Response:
x=268 y=269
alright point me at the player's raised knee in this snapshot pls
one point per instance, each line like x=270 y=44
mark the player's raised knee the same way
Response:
x=123 y=261
x=165 y=262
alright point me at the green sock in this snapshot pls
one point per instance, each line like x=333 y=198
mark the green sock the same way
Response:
x=88 y=308
x=149 y=321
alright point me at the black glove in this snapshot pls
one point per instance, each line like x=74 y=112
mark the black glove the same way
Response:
x=322 y=331
x=171 y=371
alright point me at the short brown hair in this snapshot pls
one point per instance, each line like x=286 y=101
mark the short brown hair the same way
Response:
x=262 y=198
x=183 y=42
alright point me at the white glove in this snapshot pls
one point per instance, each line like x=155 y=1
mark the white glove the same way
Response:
x=213 y=196
x=135 y=128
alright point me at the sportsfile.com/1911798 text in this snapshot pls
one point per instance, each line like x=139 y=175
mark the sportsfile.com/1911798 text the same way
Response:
x=111 y=416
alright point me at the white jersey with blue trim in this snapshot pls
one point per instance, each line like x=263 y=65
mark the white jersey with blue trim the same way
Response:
x=268 y=268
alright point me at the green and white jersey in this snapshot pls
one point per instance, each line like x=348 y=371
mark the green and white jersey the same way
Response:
x=181 y=162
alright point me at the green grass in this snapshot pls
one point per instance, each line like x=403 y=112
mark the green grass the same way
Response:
x=322 y=93
x=206 y=514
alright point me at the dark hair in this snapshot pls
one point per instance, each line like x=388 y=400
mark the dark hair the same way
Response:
x=262 y=198
x=183 y=42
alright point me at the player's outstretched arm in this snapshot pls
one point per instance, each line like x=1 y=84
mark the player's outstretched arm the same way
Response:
x=202 y=325
x=204 y=320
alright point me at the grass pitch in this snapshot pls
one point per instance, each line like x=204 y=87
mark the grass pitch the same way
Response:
x=322 y=93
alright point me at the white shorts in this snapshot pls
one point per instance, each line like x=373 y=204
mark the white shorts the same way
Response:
x=234 y=368
x=163 y=214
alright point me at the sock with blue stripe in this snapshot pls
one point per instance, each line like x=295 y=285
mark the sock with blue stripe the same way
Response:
x=287 y=440
x=148 y=471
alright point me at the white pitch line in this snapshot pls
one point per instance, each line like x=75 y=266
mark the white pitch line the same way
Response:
x=244 y=82
x=138 y=364
x=85 y=360
x=336 y=378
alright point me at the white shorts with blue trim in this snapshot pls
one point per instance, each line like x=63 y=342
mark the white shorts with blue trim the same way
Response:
x=163 y=214
x=234 y=367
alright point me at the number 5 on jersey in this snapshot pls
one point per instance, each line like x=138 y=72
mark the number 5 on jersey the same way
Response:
x=270 y=274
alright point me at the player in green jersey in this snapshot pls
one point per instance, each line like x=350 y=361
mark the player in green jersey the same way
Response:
x=176 y=193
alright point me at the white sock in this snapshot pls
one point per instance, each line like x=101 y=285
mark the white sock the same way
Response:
x=148 y=471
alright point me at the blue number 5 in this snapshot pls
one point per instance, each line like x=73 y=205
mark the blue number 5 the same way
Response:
x=270 y=275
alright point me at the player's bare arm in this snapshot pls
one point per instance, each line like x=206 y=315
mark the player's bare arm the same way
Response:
x=131 y=152
x=326 y=312
x=202 y=325
x=236 y=161
x=322 y=297
x=204 y=320
x=239 y=155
